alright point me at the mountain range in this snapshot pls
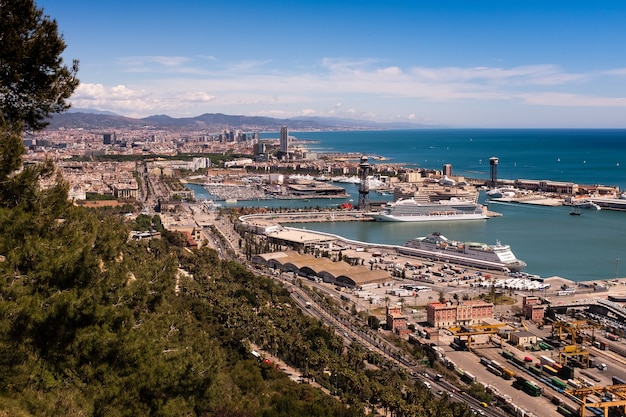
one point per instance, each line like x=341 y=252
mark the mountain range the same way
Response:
x=214 y=122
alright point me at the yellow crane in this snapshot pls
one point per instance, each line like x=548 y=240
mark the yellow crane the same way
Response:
x=474 y=330
x=574 y=349
x=616 y=395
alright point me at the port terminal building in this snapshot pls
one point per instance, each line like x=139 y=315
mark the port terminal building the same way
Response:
x=338 y=273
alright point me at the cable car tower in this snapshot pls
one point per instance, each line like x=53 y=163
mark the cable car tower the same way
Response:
x=493 y=172
x=364 y=187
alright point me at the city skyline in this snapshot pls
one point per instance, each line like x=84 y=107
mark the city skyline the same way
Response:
x=440 y=63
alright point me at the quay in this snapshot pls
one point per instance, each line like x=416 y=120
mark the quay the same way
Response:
x=533 y=199
x=270 y=226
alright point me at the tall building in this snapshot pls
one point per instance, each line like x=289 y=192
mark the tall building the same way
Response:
x=259 y=148
x=364 y=188
x=284 y=140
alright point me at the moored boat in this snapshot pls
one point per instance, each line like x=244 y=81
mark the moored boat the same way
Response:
x=438 y=246
x=410 y=210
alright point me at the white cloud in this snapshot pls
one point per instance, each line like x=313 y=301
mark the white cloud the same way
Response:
x=617 y=71
x=362 y=88
x=196 y=97
x=572 y=100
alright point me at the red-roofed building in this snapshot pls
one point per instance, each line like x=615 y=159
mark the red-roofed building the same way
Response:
x=532 y=309
x=396 y=321
x=458 y=313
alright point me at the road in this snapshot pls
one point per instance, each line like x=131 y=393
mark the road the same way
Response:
x=226 y=245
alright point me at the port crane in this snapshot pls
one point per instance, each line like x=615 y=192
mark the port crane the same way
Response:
x=469 y=332
x=574 y=349
x=611 y=396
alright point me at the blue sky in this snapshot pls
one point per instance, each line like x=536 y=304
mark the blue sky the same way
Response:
x=502 y=63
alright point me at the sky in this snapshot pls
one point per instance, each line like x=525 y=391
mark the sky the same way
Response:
x=465 y=63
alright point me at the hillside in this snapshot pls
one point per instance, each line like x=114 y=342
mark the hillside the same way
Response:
x=213 y=122
x=93 y=324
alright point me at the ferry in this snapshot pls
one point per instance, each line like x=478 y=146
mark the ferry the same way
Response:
x=410 y=210
x=438 y=246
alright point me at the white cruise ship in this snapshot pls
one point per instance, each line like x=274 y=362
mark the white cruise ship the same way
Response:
x=470 y=253
x=412 y=211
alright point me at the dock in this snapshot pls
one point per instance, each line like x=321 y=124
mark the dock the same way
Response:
x=532 y=199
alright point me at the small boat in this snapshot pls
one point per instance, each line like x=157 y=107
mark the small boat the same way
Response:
x=575 y=212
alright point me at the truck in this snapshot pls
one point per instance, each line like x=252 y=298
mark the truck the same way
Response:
x=612 y=336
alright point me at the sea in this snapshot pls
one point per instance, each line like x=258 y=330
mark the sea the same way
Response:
x=552 y=242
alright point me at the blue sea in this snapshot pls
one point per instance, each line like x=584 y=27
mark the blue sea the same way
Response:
x=548 y=239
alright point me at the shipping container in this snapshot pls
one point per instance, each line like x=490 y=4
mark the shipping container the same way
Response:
x=550 y=370
x=531 y=389
x=494 y=370
x=564 y=411
x=567 y=372
x=507 y=373
x=544 y=360
x=618 y=381
x=485 y=361
x=574 y=383
x=468 y=378
x=557 y=382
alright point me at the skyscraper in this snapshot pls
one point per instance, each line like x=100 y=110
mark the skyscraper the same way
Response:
x=284 y=140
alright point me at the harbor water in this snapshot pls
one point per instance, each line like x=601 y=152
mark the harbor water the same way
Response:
x=552 y=242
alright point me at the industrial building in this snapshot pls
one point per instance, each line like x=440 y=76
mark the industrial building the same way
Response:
x=337 y=273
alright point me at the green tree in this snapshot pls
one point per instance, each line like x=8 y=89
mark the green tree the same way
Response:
x=34 y=83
